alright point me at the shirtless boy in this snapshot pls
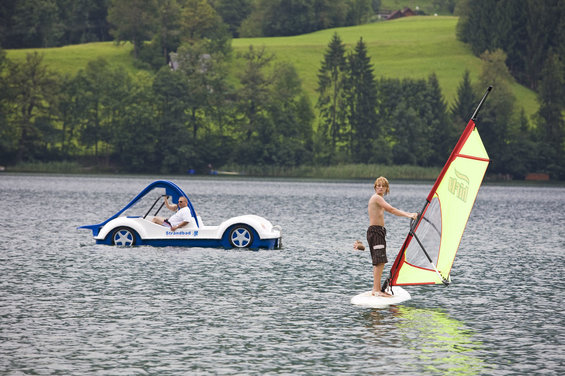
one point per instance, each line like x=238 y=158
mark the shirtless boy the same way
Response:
x=376 y=232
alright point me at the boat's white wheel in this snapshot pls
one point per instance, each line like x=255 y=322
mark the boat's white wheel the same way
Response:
x=241 y=236
x=123 y=237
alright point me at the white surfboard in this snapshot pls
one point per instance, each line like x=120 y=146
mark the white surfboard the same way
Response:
x=365 y=299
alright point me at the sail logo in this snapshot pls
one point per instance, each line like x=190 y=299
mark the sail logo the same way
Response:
x=458 y=185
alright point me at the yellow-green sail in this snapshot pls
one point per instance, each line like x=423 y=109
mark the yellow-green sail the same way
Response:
x=429 y=250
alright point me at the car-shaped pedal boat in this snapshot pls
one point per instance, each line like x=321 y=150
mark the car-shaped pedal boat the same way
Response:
x=246 y=231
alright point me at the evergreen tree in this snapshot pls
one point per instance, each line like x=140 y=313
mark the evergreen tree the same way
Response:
x=36 y=23
x=233 y=12
x=331 y=105
x=84 y=21
x=511 y=35
x=526 y=30
x=376 y=5
x=462 y=108
x=47 y=23
x=361 y=95
x=328 y=14
x=494 y=119
x=7 y=38
x=358 y=11
x=551 y=122
x=536 y=42
x=477 y=24
x=283 y=17
x=292 y=17
x=440 y=131
x=522 y=149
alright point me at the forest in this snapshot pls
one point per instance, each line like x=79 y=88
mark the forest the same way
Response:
x=185 y=110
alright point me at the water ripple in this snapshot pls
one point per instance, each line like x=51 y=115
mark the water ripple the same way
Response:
x=69 y=306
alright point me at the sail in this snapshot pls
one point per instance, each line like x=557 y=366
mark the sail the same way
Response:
x=427 y=255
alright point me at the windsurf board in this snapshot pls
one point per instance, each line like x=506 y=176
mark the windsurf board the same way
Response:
x=366 y=299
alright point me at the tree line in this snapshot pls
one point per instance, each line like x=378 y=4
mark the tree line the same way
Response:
x=530 y=32
x=167 y=122
x=531 y=35
x=196 y=115
x=363 y=119
x=51 y=23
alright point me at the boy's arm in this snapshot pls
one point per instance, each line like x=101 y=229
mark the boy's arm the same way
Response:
x=392 y=210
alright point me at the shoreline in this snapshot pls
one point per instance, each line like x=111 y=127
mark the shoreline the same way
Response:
x=352 y=172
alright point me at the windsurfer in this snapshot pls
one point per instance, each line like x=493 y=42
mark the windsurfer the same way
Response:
x=376 y=232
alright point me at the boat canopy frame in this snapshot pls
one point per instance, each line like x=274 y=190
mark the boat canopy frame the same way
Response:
x=171 y=189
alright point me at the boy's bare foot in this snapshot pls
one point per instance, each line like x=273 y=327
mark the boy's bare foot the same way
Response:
x=381 y=294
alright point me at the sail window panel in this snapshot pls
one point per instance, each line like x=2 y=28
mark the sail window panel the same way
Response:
x=429 y=234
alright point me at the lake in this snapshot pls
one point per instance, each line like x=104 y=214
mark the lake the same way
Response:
x=69 y=306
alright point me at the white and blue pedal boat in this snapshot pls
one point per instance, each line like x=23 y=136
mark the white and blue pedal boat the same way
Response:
x=121 y=229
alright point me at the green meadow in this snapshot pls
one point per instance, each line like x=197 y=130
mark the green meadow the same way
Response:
x=412 y=47
x=70 y=59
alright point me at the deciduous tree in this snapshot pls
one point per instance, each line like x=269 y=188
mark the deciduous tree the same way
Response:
x=33 y=89
x=254 y=93
x=199 y=20
x=291 y=116
x=133 y=21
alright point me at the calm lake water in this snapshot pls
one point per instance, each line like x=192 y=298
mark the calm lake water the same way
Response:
x=69 y=306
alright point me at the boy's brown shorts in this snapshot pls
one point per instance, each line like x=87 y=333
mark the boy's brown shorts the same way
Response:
x=376 y=237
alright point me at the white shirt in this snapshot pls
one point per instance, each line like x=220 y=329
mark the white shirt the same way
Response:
x=183 y=215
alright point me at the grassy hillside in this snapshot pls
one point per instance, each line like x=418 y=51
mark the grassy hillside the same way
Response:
x=412 y=47
x=70 y=59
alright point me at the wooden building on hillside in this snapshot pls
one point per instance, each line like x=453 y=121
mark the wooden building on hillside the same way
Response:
x=406 y=12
